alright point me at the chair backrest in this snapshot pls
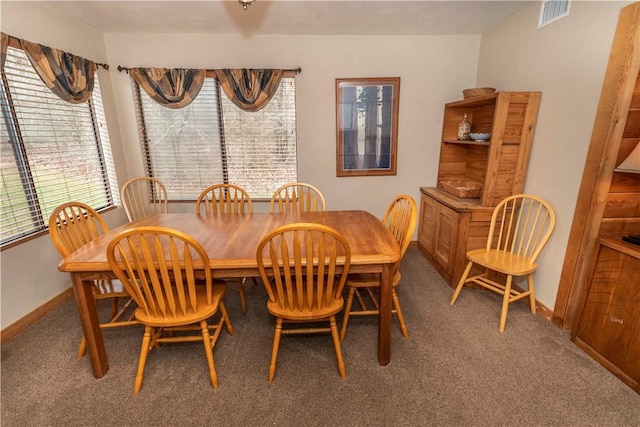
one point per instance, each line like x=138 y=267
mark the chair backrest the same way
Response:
x=224 y=198
x=297 y=197
x=144 y=196
x=74 y=224
x=521 y=224
x=157 y=266
x=401 y=218
x=307 y=256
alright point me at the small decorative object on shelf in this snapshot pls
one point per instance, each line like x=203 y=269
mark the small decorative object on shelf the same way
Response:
x=464 y=128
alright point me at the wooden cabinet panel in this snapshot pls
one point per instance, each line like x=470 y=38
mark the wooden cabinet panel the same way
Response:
x=449 y=227
x=445 y=237
x=426 y=228
x=609 y=327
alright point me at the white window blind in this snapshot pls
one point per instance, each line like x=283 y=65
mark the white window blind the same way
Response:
x=51 y=151
x=212 y=141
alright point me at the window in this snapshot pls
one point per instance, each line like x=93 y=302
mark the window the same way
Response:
x=212 y=141
x=51 y=152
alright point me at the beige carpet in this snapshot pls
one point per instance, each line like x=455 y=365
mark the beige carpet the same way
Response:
x=455 y=369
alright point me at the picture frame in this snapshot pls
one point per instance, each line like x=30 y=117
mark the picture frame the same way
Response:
x=367 y=126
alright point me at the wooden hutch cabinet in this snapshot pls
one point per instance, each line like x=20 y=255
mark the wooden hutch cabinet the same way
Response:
x=453 y=222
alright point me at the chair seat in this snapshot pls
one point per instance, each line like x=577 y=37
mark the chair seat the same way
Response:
x=501 y=261
x=368 y=280
x=305 y=314
x=203 y=312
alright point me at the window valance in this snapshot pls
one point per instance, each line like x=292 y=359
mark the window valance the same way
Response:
x=69 y=76
x=249 y=89
x=171 y=88
x=4 y=44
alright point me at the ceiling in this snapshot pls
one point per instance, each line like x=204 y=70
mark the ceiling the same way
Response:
x=291 y=17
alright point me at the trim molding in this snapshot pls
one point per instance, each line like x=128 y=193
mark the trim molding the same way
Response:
x=23 y=323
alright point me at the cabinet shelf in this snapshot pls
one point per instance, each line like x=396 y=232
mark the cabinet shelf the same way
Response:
x=467 y=142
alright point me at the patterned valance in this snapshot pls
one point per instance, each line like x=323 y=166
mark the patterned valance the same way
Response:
x=4 y=43
x=69 y=76
x=171 y=88
x=249 y=89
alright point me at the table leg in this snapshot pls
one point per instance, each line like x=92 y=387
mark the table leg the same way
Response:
x=384 y=317
x=90 y=325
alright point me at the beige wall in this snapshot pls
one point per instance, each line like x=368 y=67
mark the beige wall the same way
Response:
x=566 y=61
x=433 y=70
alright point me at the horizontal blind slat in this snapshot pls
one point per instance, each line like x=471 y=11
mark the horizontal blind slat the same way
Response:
x=191 y=148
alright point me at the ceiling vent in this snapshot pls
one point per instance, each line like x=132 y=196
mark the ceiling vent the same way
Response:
x=552 y=10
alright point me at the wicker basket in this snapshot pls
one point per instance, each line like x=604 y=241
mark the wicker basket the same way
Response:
x=478 y=91
x=465 y=189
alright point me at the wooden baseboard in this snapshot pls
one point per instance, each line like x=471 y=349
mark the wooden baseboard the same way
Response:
x=544 y=311
x=23 y=323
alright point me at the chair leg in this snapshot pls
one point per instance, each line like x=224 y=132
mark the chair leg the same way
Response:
x=396 y=305
x=144 y=351
x=274 y=350
x=114 y=307
x=461 y=283
x=82 y=348
x=225 y=316
x=532 y=295
x=208 y=351
x=243 y=302
x=337 y=345
x=347 y=312
x=505 y=302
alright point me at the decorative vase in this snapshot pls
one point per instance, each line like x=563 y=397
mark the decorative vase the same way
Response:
x=464 y=128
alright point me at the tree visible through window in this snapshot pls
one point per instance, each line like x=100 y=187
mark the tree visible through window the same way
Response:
x=51 y=151
x=212 y=141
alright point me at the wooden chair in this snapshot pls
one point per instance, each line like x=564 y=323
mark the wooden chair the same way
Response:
x=401 y=218
x=224 y=199
x=144 y=196
x=520 y=227
x=297 y=197
x=73 y=225
x=157 y=265
x=307 y=287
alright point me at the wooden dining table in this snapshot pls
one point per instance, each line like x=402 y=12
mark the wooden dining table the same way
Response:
x=230 y=241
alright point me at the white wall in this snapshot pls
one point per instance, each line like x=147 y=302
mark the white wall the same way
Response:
x=566 y=61
x=29 y=274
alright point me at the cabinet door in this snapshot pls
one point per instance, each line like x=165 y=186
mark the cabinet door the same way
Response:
x=610 y=318
x=446 y=232
x=426 y=229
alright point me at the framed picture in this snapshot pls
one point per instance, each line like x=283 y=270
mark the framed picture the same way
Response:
x=367 y=126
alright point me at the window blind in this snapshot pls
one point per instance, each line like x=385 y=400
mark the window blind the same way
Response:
x=212 y=141
x=51 y=151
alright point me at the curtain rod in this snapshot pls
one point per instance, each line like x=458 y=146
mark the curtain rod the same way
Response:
x=296 y=70
x=14 y=42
